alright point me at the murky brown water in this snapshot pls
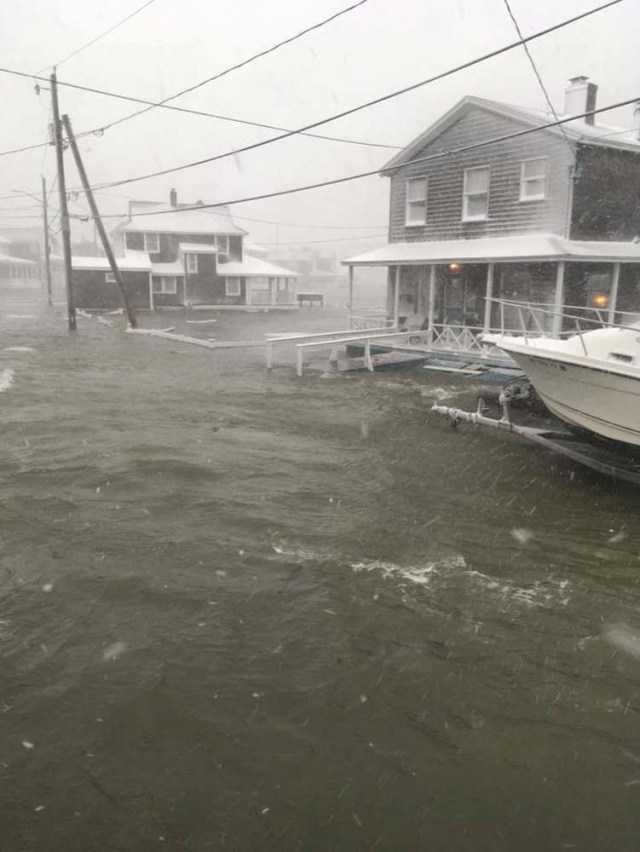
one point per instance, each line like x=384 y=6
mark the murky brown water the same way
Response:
x=242 y=611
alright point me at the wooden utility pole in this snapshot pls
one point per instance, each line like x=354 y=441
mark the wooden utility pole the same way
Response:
x=47 y=250
x=98 y=222
x=64 y=212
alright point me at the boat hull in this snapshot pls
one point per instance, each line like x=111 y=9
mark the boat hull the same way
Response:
x=592 y=398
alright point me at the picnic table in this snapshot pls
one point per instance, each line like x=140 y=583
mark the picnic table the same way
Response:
x=310 y=299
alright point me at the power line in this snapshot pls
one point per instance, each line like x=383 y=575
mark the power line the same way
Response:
x=366 y=105
x=299 y=131
x=537 y=73
x=383 y=170
x=97 y=38
x=242 y=64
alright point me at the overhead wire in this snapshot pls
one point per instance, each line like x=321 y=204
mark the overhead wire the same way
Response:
x=536 y=72
x=383 y=98
x=303 y=130
x=242 y=64
x=98 y=37
x=381 y=170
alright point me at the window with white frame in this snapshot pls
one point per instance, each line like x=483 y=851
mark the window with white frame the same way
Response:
x=233 y=286
x=283 y=285
x=192 y=263
x=110 y=278
x=164 y=284
x=416 y=203
x=475 y=203
x=222 y=243
x=152 y=243
x=533 y=179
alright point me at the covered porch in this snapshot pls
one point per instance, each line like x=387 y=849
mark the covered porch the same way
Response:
x=445 y=290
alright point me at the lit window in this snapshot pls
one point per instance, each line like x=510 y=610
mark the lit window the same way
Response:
x=164 y=284
x=476 y=194
x=233 y=287
x=192 y=263
x=152 y=243
x=110 y=278
x=533 y=179
x=416 y=205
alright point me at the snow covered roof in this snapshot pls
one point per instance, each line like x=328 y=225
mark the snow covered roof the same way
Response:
x=131 y=262
x=7 y=258
x=252 y=267
x=576 y=131
x=173 y=268
x=198 y=248
x=526 y=247
x=177 y=220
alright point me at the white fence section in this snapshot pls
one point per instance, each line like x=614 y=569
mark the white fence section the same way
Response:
x=319 y=337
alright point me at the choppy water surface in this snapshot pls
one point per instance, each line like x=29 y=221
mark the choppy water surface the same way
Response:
x=242 y=611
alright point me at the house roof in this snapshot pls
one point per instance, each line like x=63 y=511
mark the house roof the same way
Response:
x=7 y=258
x=198 y=248
x=254 y=267
x=173 y=268
x=131 y=262
x=145 y=216
x=526 y=247
x=576 y=131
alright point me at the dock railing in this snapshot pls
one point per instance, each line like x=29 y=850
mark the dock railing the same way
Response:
x=320 y=337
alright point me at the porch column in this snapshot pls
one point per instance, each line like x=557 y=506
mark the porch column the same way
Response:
x=396 y=299
x=558 y=302
x=273 y=290
x=432 y=302
x=150 y=292
x=350 y=302
x=487 y=299
x=613 y=298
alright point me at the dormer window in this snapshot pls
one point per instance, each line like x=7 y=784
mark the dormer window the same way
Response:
x=533 y=179
x=475 y=204
x=192 y=263
x=152 y=243
x=416 y=204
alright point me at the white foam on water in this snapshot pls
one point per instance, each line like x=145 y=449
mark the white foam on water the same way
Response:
x=6 y=379
x=18 y=349
x=20 y=316
x=112 y=652
x=624 y=638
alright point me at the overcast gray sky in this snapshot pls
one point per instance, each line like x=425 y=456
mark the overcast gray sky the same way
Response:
x=381 y=46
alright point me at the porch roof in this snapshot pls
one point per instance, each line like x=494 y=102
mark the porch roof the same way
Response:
x=175 y=267
x=255 y=267
x=133 y=261
x=525 y=247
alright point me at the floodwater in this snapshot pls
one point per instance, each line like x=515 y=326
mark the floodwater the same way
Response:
x=244 y=611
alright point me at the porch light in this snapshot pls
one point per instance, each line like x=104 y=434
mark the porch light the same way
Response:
x=454 y=267
x=600 y=300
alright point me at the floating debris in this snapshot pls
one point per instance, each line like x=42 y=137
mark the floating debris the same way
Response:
x=522 y=536
x=28 y=745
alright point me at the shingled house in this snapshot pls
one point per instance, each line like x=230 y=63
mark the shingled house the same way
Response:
x=174 y=256
x=489 y=203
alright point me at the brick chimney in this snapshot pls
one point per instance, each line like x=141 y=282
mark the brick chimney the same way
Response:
x=173 y=198
x=579 y=97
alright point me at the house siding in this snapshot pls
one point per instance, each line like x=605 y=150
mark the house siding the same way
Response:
x=606 y=196
x=92 y=292
x=507 y=215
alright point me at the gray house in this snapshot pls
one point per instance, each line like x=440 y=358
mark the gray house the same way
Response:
x=176 y=256
x=545 y=215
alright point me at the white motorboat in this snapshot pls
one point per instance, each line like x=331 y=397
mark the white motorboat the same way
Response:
x=591 y=380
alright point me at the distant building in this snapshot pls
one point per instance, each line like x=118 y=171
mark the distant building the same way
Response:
x=316 y=267
x=170 y=256
x=14 y=270
x=23 y=253
x=545 y=214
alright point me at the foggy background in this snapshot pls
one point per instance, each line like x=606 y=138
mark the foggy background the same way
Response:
x=370 y=51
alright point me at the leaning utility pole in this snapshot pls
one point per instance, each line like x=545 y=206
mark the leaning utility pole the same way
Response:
x=47 y=250
x=64 y=212
x=98 y=222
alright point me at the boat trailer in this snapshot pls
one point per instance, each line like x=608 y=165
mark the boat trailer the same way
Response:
x=615 y=461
